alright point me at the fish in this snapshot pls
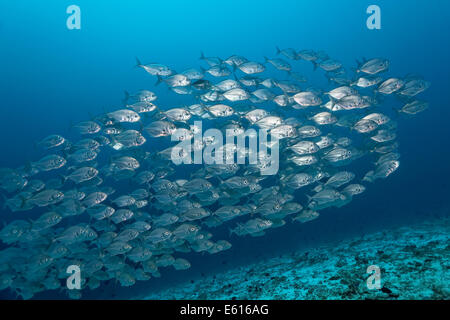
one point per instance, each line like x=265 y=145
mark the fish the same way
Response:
x=82 y=174
x=154 y=69
x=108 y=197
x=279 y=63
x=87 y=127
x=414 y=107
x=50 y=162
x=390 y=85
x=373 y=66
x=307 y=99
x=288 y=53
x=306 y=216
x=251 y=67
x=327 y=64
x=51 y=141
x=124 y=115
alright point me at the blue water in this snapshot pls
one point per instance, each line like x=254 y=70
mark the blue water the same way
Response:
x=51 y=77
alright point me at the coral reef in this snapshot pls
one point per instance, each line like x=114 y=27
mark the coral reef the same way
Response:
x=413 y=260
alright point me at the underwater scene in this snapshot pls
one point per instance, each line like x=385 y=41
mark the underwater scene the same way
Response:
x=226 y=150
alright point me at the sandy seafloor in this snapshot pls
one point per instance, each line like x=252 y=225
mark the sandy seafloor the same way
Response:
x=414 y=263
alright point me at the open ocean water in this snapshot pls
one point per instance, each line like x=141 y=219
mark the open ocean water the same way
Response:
x=53 y=77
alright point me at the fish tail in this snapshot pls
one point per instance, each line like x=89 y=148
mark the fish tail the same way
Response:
x=278 y=49
x=266 y=59
x=126 y=98
x=375 y=94
x=333 y=101
x=159 y=80
x=24 y=201
x=29 y=166
x=64 y=178
x=355 y=70
x=138 y=62
x=4 y=200
x=314 y=65
x=397 y=112
x=319 y=187
x=202 y=56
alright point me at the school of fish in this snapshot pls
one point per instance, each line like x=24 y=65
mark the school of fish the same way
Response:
x=112 y=202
